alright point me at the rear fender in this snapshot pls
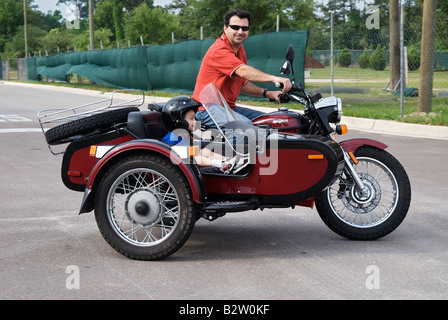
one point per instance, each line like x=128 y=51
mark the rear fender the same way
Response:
x=134 y=146
x=352 y=145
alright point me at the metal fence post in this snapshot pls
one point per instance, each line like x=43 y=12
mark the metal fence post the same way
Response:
x=402 y=59
x=332 y=57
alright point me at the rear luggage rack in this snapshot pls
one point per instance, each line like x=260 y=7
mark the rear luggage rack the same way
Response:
x=50 y=118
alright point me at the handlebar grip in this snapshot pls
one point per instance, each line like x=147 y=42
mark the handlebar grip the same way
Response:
x=279 y=85
x=284 y=98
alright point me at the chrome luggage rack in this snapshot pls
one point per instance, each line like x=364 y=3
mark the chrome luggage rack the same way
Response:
x=49 y=118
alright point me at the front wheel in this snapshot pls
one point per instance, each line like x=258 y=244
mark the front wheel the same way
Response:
x=375 y=211
x=144 y=208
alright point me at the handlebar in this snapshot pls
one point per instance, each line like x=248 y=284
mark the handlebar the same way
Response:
x=279 y=85
x=285 y=97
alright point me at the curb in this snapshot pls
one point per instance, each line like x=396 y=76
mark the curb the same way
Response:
x=361 y=124
x=386 y=126
x=397 y=128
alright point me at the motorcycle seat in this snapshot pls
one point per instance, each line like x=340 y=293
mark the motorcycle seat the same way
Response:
x=146 y=125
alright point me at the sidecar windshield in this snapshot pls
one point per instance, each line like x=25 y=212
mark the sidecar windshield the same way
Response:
x=229 y=124
x=216 y=106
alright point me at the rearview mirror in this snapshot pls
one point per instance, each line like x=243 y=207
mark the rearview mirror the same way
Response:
x=287 y=67
x=290 y=54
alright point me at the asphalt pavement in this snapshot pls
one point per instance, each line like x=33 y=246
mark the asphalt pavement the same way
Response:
x=48 y=251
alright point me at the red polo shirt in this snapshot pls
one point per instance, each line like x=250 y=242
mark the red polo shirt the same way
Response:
x=218 y=67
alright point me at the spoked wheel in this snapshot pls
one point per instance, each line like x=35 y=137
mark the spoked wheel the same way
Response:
x=144 y=207
x=376 y=210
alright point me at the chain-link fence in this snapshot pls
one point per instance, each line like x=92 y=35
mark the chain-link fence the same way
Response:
x=13 y=69
x=366 y=63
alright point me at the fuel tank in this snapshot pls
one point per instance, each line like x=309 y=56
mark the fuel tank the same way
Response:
x=283 y=120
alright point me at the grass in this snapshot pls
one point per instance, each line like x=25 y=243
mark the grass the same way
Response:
x=385 y=110
x=377 y=103
x=371 y=78
x=363 y=95
x=374 y=102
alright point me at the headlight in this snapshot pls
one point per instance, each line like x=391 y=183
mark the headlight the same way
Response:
x=330 y=108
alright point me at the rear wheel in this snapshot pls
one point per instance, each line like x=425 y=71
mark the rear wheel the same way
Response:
x=144 y=207
x=375 y=211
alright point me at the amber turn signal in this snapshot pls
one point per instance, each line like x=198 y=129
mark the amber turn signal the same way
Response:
x=193 y=152
x=315 y=156
x=341 y=129
x=352 y=156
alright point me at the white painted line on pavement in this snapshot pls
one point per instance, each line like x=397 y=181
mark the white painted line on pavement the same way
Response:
x=20 y=130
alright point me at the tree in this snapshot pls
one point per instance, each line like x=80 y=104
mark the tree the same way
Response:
x=91 y=25
x=377 y=59
x=441 y=26
x=105 y=9
x=209 y=14
x=117 y=15
x=300 y=14
x=103 y=12
x=364 y=60
x=394 y=47
x=11 y=17
x=47 y=21
x=339 y=10
x=344 y=58
x=427 y=56
x=154 y=25
x=15 y=47
x=58 y=38
x=413 y=59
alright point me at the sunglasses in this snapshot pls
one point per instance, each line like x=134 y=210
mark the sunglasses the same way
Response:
x=236 y=27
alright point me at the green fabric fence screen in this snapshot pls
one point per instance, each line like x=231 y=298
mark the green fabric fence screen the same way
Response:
x=170 y=67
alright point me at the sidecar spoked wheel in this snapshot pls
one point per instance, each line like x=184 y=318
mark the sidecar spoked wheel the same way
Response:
x=144 y=207
x=378 y=209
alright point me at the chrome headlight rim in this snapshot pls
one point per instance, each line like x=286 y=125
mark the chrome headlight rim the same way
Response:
x=338 y=111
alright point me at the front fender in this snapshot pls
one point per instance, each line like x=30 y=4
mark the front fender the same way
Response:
x=353 y=144
x=147 y=145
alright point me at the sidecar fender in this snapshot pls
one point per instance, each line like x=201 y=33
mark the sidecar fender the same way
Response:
x=353 y=144
x=136 y=146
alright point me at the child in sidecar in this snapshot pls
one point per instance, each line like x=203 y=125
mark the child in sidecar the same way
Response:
x=178 y=116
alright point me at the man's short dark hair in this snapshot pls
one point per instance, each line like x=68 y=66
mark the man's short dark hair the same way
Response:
x=237 y=12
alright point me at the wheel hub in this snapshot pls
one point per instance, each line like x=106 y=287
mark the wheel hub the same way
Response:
x=143 y=207
x=366 y=200
x=363 y=196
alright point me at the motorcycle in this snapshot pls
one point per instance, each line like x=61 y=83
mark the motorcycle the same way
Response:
x=147 y=195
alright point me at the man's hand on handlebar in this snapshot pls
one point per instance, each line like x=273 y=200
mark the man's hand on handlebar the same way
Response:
x=273 y=96
x=283 y=83
x=278 y=96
